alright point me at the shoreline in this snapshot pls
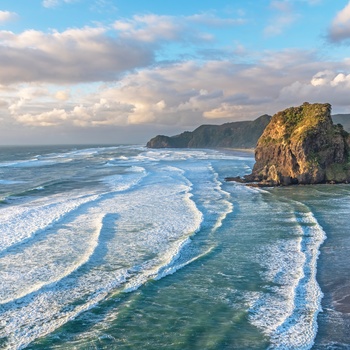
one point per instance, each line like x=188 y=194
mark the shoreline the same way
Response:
x=247 y=150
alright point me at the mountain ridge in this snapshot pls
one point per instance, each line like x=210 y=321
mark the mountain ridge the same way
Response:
x=242 y=134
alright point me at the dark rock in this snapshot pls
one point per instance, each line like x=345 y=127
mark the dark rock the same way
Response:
x=235 y=179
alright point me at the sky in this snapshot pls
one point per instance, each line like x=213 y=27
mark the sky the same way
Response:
x=123 y=71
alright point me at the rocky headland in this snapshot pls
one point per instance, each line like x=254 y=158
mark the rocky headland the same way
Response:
x=243 y=134
x=301 y=145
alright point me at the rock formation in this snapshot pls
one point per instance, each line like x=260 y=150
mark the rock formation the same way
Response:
x=243 y=134
x=301 y=145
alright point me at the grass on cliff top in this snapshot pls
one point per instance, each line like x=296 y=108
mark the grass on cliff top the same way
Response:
x=299 y=122
x=305 y=117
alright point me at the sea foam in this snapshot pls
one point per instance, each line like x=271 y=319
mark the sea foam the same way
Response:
x=124 y=238
x=288 y=313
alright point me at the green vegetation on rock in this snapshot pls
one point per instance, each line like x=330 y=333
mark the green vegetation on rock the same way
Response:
x=302 y=145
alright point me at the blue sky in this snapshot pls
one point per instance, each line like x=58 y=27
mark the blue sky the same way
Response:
x=101 y=71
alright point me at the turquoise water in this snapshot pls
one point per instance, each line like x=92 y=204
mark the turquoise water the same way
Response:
x=122 y=247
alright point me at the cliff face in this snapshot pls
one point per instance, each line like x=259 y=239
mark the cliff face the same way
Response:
x=301 y=145
x=231 y=135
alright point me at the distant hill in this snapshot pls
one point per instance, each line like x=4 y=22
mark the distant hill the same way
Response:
x=243 y=134
x=343 y=119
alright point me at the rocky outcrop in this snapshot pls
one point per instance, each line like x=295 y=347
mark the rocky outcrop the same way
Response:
x=243 y=134
x=178 y=141
x=301 y=145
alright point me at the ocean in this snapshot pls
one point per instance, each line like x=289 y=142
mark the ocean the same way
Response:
x=124 y=247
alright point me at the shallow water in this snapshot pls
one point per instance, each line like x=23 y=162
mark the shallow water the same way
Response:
x=122 y=247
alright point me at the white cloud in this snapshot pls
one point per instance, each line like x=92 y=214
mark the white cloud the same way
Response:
x=209 y=19
x=322 y=78
x=151 y=28
x=92 y=54
x=154 y=28
x=75 y=55
x=325 y=86
x=103 y=6
x=62 y=95
x=183 y=94
x=100 y=113
x=340 y=79
x=6 y=16
x=55 y=3
x=339 y=30
x=222 y=111
x=50 y=118
x=50 y=3
x=343 y=16
x=282 y=6
x=284 y=17
x=25 y=95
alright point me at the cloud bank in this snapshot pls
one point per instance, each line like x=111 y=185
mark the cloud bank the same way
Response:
x=72 y=56
x=188 y=93
x=116 y=76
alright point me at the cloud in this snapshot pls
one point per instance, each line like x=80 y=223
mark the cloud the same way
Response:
x=152 y=28
x=24 y=95
x=102 y=53
x=284 y=17
x=37 y=106
x=155 y=28
x=339 y=30
x=209 y=19
x=3 y=104
x=103 y=6
x=62 y=95
x=322 y=78
x=75 y=55
x=50 y=3
x=55 y=3
x=50 y=118
x=6 y=16
x=46 y=77
x=327 y=86
x=222 y=111
x=187 y=94
x=101 y=113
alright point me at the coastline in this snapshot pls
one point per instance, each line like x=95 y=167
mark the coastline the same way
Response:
x=247 y=150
